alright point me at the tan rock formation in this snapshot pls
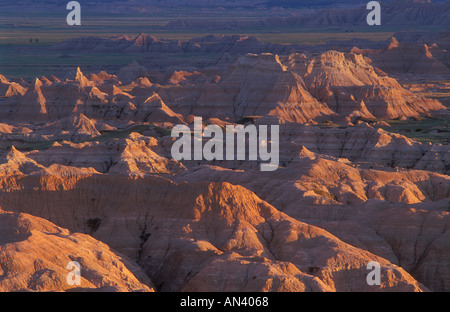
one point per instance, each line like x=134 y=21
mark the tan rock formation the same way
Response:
x=408 y=58
x=365 y=144
x=81 y=80
x=131 y=72
x=261 y=85
x=358 y=207
x=92 y=155
x=16 y=162
x=9 y=89
x=137 y=157
x=30 y=107
x=75 y=128
x=34 y=254
x=213 y=231
x=348 y=84
x=293 y=88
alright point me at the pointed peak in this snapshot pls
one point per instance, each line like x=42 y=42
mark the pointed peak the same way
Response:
x=427 y=51
x=116 y=90
x=36 y=84
x=79 y=116
x=94 y=90
x=14 y=153
x=3 y=79
x=14 y=89
x=143 y=81
x=53 y=78
x=306 y=153
x=45 y=81
x=142 y=38
x=392 y=43
x=144 y=35
x=79 y=73
x=154 y=98
x=81 y=79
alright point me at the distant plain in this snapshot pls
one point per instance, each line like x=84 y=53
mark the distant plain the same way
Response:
x=25 y=37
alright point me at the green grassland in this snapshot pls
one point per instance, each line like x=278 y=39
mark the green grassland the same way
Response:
x=434 y=130
x=50 y=26
x=50 y=32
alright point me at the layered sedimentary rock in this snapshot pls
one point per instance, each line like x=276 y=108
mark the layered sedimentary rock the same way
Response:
x=8 y=89
x=32 y=106
x=415 y=58
x=35 y=253
x=15 y=162
x=388 y=213
x=137 y=156
x=74 y=128
x=364 y=144
x=92 y=155
x=261 y=85
x=351 y=86
x=321 y=190
x=209 y=231
x=295 y=88
x=143 y=43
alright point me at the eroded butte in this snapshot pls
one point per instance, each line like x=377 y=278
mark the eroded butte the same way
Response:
x=86 y=174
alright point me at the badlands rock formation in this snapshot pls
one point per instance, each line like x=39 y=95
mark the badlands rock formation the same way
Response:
x=350 y=85
x=8 y=89
x=295 y=88
x=34 y=254
x=415 y=58
x=185 y=234
x=365 y=145
x=142 y=43
x=86 y=174
x=298 y=89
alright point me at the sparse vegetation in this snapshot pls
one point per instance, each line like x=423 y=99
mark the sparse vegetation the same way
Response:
x=328 y=124
x=31 y=146
x=434 y=130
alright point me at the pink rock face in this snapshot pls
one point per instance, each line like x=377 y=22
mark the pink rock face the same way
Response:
x=219 y=232
x=42 y=251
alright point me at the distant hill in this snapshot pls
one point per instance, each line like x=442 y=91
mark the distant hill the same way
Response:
x=313 y=3
x=204 y=3
x=398 y=13
x=317 y=13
